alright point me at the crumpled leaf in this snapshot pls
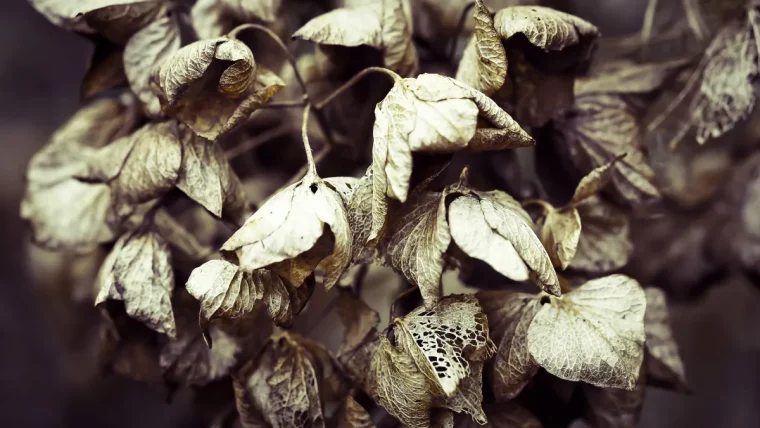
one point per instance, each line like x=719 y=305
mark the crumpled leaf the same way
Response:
x=146 y=49
x=593 y=334
x=430 y=113
x=62 y=211
x=360 y=340
x=663 y=362
x=503 y=415
x=432 y=358
x=726 y=93
x=283 y=384
x=353 y=415
x=189 y=361
x=484 y=61
x=604 y=244
x=491 y=226
x=545 y=28
x=119 y=18
x=613 y=407
x=138 y=271
x=213 y=85
x=385 y=25
x=509 y=316
x=214 y=18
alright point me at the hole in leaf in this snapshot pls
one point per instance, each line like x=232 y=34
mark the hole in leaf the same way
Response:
x=545 y=300
x=313 y=187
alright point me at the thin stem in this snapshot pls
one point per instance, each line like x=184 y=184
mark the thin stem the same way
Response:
x=694 y=20
x=460 y=26
x=310 y=165
x=294 y=64
x=284 y=104
x=396 y=78
x=545 y=206
x=252 y=143
x=304 y=169
x=646 y=26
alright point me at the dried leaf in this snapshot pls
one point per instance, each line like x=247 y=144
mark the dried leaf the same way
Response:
x=627 y=77
x=144 y=51
x=62 y=211
x=138 y=271
x=484 y=61
x=214 y=18
x=430 y=113
x=360 y=210
x=663 y=362
x=545 y=28
x=353 y=415
x=178 y=237
x=593 y=334
x=78 y=16
x=504 y=415
x=612 y=407
x=594 y=181
x=290 y=223
x=509 y=316
x=360 y=339
x=417 y=241
x=604 y=244
x=491 y=226
x=284 y=383
x=105 y=70
x=213 y=85
x=560 y=233
x=384 y=25
x=434 y=359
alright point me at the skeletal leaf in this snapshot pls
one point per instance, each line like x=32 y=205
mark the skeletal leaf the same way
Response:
x=385 y=25
x=560 y=233
x=353 y=415
x=139 y=167
x=146 y=49
x=726 y=94
x=593 y=334
x=432 y=358
x=613 y=407
x=213 y=85
x=283 y=384
x=484 y=61
x=417 y=241
x=604 y=244
x=189 y=361
x=509 y=316
x=62 y=211
x=139 y=272
x=430 y=113
x=663 y=362
x=491 y=226
x=503 y=415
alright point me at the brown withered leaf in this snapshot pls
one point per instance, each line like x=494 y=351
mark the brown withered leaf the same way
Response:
x=613 y=407
x=62 y=211
x=594 y=333
x=214 y=18
x=509 y=316
x=491 y=226
x=484 y=61
x=139 y=167
x=187 y=360
x=663 y=363
x=283 y=384
x=604 y=244
x=726 y=93
x=360 y=338
x=213 y=85
x=503 y=415
x=385 y=25
x=404 y=123
x=138 y=271
x=146 y=49
x=105 y=70
x=353 y=415
x=432 y=358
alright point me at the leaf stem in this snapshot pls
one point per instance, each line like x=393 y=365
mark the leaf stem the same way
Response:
x=294 y=64
x=252 y=143
x=311 y=167
x=396 y=78
x=458 y=31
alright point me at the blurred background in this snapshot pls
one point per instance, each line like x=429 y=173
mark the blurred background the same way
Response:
x=48 y=370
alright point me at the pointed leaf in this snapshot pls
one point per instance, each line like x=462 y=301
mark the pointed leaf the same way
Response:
x=484 y=61
x=560 y=234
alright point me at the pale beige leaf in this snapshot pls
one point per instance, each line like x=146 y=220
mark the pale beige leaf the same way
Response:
x=119 y=20
x=141 y=275
x=417 y=240
x=493 y=228
x=491 y=139
x=509 y=316
x=664 y=365
x=344 y=27
x=62 y=211
x=144 y=51
x=209 y=19
x=399 y=52
x=353 y=415
x=593 y=334
x=546 y=28
x=223 y=290
x=484 y=61
x=604 y=244
x=613 y=407
x=594 y=181
x=560 y=234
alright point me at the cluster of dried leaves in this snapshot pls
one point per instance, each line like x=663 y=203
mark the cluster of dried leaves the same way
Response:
x=178 y=132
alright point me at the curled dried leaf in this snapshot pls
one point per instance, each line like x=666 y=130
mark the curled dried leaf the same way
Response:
x=484 y=61
x=593 y=334
x=546 y=28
